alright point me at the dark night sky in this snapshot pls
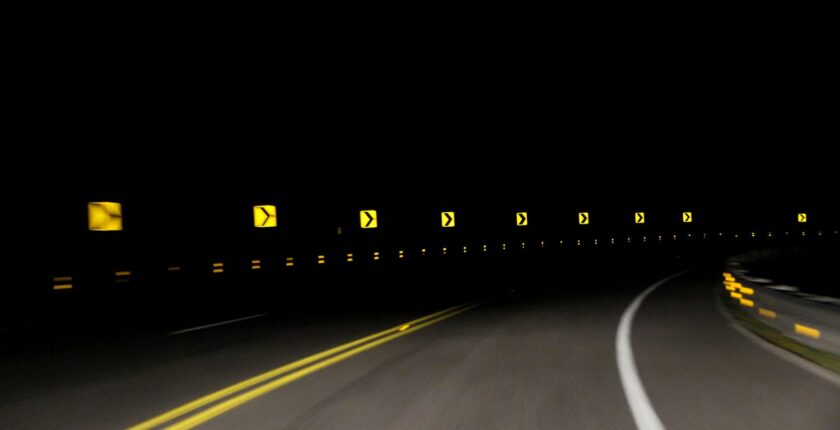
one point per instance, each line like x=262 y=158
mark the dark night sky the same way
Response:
x=661 y=105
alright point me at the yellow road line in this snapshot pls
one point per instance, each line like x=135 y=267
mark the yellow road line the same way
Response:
x=220 y=394
x=807 y=331
x=220 y=408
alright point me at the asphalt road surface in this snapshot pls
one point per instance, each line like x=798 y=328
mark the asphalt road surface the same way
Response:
x=541 y=355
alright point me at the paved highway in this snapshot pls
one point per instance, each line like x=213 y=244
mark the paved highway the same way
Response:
x=547 y=353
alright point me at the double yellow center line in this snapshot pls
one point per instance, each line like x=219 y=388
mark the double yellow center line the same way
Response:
x=240 y=393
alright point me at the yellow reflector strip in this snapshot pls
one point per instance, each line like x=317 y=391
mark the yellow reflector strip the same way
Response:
x=218 y=264
x=807 y=331
x=125 y=273
x=63 y=287
x=736 y=295
x=747 y=303
x=174 y=269
x=218 y=270
x=747 y=291
x=62 y=278
x=767 y=313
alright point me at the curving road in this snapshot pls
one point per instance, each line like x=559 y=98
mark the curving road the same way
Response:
x=543 y=355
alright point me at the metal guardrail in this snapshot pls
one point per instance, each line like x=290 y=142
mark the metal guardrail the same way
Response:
x=811 y=320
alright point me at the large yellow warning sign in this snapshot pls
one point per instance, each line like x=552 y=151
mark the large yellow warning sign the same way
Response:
x=105 y=216
x=367 y=219
x=265 y=216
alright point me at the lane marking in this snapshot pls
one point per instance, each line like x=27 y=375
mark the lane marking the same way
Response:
x=220 y=408
x=202 y=327
x=227 y=391
x=634 y=391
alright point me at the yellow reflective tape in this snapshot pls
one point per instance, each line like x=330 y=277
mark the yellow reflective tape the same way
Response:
x=62 y=278
x=767 y=313
x=747 y=303
x=218 y=270
x=63 y=287
x=807 y=331
x=173 y=269
x=748 y=291
x=124 y=273
x=736 y=295
x=220 y=394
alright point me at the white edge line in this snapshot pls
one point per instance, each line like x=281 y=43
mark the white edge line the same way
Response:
x=643 y=413
x=802 y=363
x=187 y=330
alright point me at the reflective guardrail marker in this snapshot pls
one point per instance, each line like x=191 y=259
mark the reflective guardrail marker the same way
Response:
x=447 y=219
x=265 y=216
x=583 y=218
x=290 y=261
x=63 y=283
x=105 y=216
x=218 y=267
x=367 y=219
x=256 y=265
x=521 y=219
x=807 y=331
x=122 y=276
x=640 y=217
x=802 y=217
x=766 y=313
